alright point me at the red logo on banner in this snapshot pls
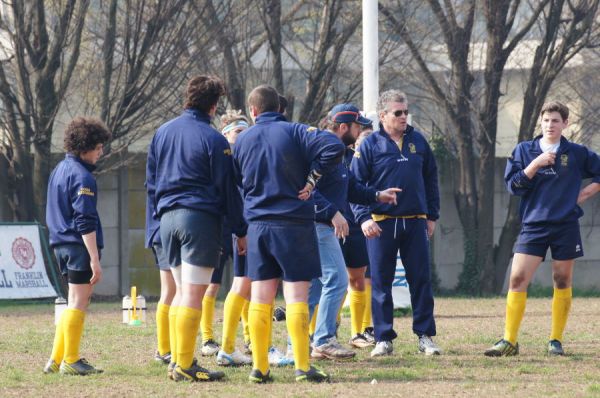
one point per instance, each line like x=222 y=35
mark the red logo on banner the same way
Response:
x=23 y=254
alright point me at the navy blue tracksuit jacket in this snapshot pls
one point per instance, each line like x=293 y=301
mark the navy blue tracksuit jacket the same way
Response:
x=170 y=181
x=71 y=204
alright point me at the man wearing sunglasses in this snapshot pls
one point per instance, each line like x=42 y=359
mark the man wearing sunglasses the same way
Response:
x=398 y=155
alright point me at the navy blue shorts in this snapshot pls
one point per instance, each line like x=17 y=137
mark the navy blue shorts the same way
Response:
x=283 y=249
x=564 y=240
x=355 y=252
x=191 y=236
x=217 y=275
x=72 y=257
x=160 y=257
x=239 y=263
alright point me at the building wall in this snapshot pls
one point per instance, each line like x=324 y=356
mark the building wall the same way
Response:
x=126 y=262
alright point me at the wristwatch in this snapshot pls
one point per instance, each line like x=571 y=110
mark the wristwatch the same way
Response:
x=377 y=195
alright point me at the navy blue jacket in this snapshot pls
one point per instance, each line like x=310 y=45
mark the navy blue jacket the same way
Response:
x=71 y=204
x=336 y=189
x=551 y=195
x=380 y=164
x=189 y=166
x=272 y=160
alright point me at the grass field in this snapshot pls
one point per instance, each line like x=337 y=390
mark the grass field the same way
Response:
x=465 y=328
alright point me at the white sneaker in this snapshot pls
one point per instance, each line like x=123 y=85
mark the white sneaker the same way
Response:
x=382 y=348
x=210 y=348
x=236 y=358
x=427 y=346
x=276 y=358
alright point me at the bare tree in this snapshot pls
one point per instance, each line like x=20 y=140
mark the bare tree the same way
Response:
x=42 y=48
x=147 y=51
x=334 y=31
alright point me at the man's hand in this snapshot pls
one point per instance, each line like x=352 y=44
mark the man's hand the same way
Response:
x=340 y=225
x=305 y=192
x=96 y=272
x=545 y=159
x=430 y=228
x=588 y=192
x=242 y=245
x=311 y=182
x=370 y=229
x=388 y=196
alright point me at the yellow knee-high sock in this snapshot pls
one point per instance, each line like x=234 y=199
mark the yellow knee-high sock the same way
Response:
x=72 y=330
x=58 y=347
x=245 y=321
x=188 y=323
x=258 y=322
x=357 y=311
x=313 y=321
x=234 y=304
x=271 y=325
x=561 y=305
x=297 y=325
x=162 y=328
x=173 y=332
x=515 y=308
x=208 y=316
x=366 y=322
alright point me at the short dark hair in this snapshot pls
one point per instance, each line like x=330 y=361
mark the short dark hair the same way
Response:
x=555 y=106
x=83 y=134
x=203 y=92
x=283 y=104
x=264 y=98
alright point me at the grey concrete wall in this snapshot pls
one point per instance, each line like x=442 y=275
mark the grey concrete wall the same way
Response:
x=126 y=262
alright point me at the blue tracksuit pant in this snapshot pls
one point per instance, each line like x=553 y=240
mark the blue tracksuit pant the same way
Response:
x=410 y=237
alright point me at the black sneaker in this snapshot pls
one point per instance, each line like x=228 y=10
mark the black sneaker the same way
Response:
x=256 y=376
x=369 y=334
x=555 y=348
x=51 y=367
x=170 y=369
x=313 y=374
x=79 y=368
x=196 y=373
x=164 y=359
x=502 y=348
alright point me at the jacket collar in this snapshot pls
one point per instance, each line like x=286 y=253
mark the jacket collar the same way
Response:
x=197 y=114
x=563 y=147
x=88 y=166
x=270 y=117
x=383 y=133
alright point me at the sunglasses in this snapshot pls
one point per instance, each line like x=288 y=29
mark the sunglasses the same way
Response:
x=399 y=112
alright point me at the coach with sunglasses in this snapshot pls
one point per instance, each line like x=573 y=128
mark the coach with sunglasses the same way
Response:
x=399 y=156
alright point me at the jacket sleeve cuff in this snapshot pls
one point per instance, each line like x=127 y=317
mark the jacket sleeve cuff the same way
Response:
x=363 y=218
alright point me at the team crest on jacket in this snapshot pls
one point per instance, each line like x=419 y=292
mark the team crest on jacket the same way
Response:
x=227 y=151
x=412 y=148
x=357 y=155
x=564 y=160
x=311 y=129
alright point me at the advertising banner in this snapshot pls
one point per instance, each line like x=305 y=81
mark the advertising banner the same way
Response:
x=22 y=269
